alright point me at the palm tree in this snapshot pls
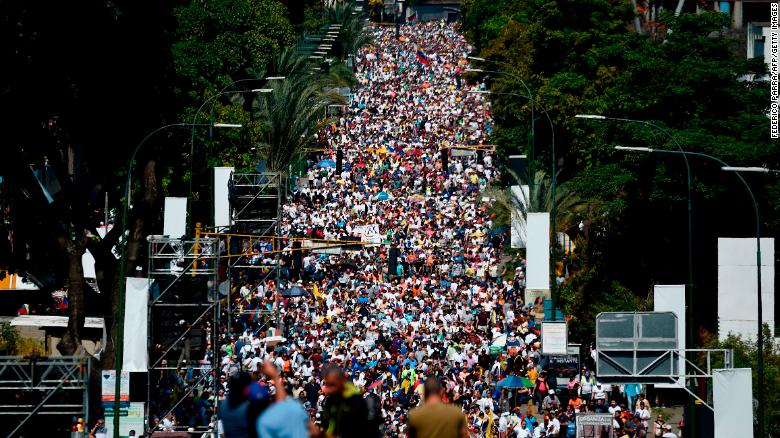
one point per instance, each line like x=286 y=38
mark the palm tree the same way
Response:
x=568 y=206
x=296 y=107
x=352 y=34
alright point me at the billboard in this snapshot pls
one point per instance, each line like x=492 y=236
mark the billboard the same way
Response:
x=108 y=386
x=221 y=199
x=535 y=298
x=732 y=397
x=636 y=347
x=175 y=217
x=136 y=354
x=131 y=418
x=564 y=367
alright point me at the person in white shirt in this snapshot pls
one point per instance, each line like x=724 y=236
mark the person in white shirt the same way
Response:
x=644 y=414
x=599 y=392
x=485 y=403
x=503 y=423
x=521 y=431
x=668 y=432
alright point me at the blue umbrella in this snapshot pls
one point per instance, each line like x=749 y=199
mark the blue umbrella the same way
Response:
x=514 y=381
x=326 y=163
x=383 y=196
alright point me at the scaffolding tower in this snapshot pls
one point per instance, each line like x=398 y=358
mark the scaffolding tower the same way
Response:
x=183 y=320
x=255 y=214
x=54 y=390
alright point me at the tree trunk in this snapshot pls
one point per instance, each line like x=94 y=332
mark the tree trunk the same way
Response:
x=143 y=214
x=70 y=344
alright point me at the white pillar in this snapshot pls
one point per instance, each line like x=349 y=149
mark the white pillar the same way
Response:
x=671 y=298
x=737 y=286
x=538 y=252
x=221 y=201
x=175 y=217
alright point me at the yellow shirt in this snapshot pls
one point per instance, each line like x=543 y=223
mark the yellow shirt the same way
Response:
x=532 y=375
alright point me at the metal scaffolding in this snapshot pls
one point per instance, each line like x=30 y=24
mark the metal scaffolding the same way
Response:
x=256 y=216
x=183 y=318
x=55 y=387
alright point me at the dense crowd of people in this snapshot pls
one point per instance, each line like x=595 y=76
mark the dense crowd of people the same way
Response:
x=407 y=317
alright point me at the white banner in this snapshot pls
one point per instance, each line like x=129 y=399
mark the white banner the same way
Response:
x=732 y=397
x=135 y=357
x=555 y=338
x=737 y=286
x=594 y=425
x=538 y=251
x=671 y=298
x=175 y=217
x=221 y=201
x=366 y=230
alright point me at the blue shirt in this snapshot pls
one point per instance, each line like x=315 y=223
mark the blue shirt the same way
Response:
x=285 y=419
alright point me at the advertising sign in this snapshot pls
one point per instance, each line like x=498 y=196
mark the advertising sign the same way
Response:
x=130 y=418
x=535 y=298
x=595 y=426
x=555 y=337
x=564 y=367
x=108 y=382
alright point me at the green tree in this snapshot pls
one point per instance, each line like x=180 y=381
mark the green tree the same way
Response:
x=569 y=206
x=221 y=41
x=293 y=112
x=687 y=78
x=746 y=356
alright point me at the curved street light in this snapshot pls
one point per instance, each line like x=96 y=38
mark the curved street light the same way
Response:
x=553 y=184
x=210 y=100
x=120 y=317
x=760 y=309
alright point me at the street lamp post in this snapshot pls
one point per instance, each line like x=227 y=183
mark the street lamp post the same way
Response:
x=690 y=206
x=553 y=207
x=530 y=98
x=120 y=342
x=211 y=100
x=760 y=310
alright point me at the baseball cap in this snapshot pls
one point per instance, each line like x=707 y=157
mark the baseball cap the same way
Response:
x=256 y=392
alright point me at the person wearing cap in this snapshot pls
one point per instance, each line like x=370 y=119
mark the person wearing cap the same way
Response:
x=550 y=401
x=668 y=432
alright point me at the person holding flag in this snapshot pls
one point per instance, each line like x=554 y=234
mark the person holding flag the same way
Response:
x=423 y=58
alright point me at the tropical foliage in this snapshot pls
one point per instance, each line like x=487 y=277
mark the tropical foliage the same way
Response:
x=687 y=78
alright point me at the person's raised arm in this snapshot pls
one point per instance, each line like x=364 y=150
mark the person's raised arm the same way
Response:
x=269 y=369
